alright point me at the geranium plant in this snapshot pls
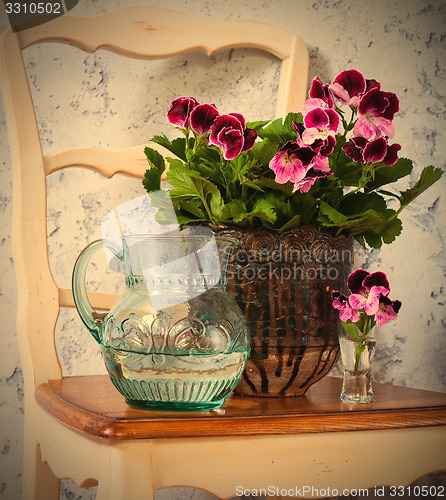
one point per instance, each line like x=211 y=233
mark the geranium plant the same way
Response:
x=325 y=166
x=367 y=305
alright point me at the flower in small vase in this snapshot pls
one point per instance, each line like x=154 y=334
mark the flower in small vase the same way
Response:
x=388 y=309
x=367 y=305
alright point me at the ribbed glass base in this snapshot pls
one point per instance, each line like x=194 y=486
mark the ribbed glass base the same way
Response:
x=175 y=405
x=175 y=394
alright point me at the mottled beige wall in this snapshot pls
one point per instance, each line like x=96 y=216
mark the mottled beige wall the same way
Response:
x=100 y=100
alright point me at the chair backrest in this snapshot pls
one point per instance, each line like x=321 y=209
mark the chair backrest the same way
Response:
x=140 y=32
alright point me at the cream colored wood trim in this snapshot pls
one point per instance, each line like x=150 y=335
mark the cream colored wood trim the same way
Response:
x=99 y=300
x=149 y=35
x=146 y=32
x=129 y=161
x=335 y=460
x=37 y=295
x=319 y=460
x=292 y=91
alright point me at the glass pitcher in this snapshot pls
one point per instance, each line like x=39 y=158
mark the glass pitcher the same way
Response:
x=175 y=339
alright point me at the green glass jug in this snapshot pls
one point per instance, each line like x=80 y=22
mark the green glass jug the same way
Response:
x=175 y=339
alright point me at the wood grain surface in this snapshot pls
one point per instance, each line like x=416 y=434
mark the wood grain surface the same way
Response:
x=92 y=405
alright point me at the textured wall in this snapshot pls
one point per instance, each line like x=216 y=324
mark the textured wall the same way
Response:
x=399 y=43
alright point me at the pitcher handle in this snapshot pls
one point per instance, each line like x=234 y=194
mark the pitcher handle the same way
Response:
x=91 y=318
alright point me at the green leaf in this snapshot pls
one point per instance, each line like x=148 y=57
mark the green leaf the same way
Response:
x=278 y=132
x=387 y=175
x=358 y=203
x=177 y=146
x=305 y=206
x=266 y=182
x=152 y=176
x=291 y=224
x=373 y=240
x=209 y=155
x=347 y=172
x=262 y=210
x=391 y=230
x=262 y=152
x=257 y=125
x=331 y=215
x=192 y=207
x=240 y=163
x=351 y=329
x=370 y=220
x=429 y=176
x=360 y=239
x=161 y=199
x=175 y=163
x=216 y=206
x=388 y=193
x=188 y=184
x=292 y=117
x=244 y=181
x=175 y=217
x=235 y=210
x=208 y=170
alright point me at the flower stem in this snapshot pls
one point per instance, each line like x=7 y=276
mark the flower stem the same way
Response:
x=361 y=344
x=359 y=351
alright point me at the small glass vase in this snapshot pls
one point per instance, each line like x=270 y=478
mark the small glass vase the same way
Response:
x=357 y=367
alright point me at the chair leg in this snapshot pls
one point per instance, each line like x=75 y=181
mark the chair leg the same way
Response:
x=39 y=483
x=127 y=472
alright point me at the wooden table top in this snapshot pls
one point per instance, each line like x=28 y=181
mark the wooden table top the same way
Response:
x=91 y=404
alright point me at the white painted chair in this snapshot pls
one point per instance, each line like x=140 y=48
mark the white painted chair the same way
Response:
x=124 y=467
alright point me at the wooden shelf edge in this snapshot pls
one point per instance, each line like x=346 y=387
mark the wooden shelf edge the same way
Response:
x=171 y=426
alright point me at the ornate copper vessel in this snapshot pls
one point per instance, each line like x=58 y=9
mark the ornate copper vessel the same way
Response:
x=283 y=284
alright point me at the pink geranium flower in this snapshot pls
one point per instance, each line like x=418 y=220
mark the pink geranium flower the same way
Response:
x=348 y=87
x=231 y=136
x=291 y=162
x=319 y=124
x=310 y=178
x=320 y=97
x=387 y=310
x=180 y=110
x=366 y=289
x=346 y=311
x=202 y=118
x=319 y=166
x=376 y=110
x=249 y=134
x=377 y=151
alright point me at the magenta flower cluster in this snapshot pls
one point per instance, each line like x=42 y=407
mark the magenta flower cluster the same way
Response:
x=227 y=132
x=305 y=159
x=369 y=298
